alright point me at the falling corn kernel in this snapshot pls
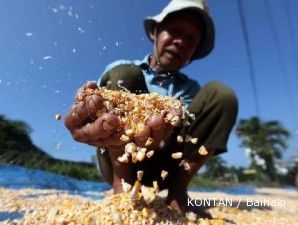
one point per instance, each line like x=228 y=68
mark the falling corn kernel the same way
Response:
x=202 y=150
x=130 y=148
x=164 y=174
x=123 y=158
x=179 y=139
x=125 y=186
x=177 y=155
x=175 y=121
x=135 y=189
x=192 y=116
x=140 y=156
x=194 y=140
x=148 y=194
x=184 y=164
x=155 y=186
x=162 y=144
x=186 y=123
x=140 y=174
x=149 y=141
x=188 y=138
x=149 y=154
x=58 y=117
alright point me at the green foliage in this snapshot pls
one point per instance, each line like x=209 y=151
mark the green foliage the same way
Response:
x=17 y=148
x=216 y=168
x=266 y=140
x=200 y=181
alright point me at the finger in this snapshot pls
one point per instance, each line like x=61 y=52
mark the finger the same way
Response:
x=103 y=127
x=114 y=141
x=93 y=103
x=80 y=112
x=176 y=112
x=96 y=144
x=142 y=136
x=156 y=124
x=75 y=116
x=91 y=85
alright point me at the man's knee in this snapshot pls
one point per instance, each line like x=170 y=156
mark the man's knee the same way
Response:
x=129 y=76
x=223 y=96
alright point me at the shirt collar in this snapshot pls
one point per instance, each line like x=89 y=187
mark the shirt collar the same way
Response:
x=144 y=64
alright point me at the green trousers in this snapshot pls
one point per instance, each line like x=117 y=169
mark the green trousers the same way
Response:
x=215 y=107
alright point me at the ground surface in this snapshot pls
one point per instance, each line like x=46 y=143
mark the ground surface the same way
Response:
x=35 y=196
x=19 y=206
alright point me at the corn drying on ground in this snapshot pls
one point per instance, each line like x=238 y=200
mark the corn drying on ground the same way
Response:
x=57 y=207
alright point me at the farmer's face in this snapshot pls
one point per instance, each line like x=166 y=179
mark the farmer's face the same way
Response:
x=176 y=40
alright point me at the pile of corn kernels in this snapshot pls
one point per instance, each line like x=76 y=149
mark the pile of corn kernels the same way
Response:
x=117 y=209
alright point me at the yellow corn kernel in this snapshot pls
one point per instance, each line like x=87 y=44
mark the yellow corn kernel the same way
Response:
x=192 y=116
x=186 y=123
x=80 y=98
x=175 y=120
x=202 y=150
x=123 y=158
x=140 y=174
x=194 y=140
x=149 y=154
x=155 y=186
x=177 y=155
x=185 y=165
x=58 y=117
x=149 y=141
x=145 y=212
x=140 y=156
x=130 y=148
x=164 y=174
x=125 y=186
x=179 y=139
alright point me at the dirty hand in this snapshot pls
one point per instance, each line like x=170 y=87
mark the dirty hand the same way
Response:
x=86 y=127
x=157 y=129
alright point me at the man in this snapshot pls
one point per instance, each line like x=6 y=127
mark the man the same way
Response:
x=181 y=33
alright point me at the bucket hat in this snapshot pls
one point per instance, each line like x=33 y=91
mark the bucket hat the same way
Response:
x=199 y=6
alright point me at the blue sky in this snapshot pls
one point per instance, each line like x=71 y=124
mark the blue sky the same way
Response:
x=50 y=48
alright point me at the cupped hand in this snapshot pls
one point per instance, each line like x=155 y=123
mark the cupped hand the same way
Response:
x=85 y=126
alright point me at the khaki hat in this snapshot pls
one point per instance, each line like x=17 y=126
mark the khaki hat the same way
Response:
x=198 y=6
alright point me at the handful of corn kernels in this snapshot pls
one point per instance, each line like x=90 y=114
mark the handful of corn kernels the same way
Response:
x=133 y=111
